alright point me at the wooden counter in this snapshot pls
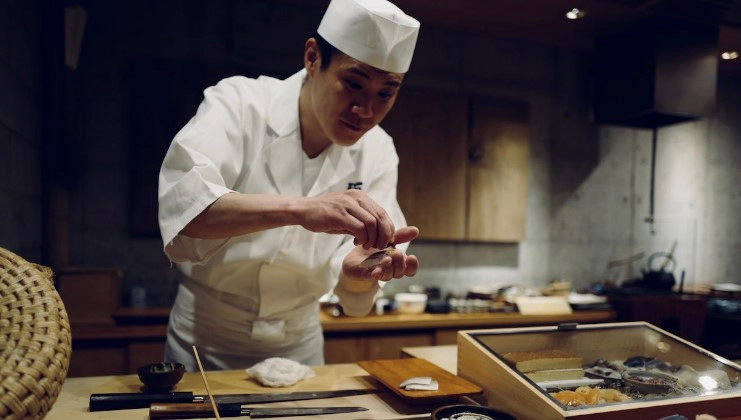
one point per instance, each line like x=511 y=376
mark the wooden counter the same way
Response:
x=73 y=401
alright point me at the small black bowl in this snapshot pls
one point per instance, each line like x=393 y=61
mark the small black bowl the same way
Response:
x=469 y=412
x=161 y=376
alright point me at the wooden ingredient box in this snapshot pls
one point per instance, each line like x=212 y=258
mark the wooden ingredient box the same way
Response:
x=506 y=389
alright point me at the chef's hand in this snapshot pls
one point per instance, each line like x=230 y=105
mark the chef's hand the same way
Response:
x=350 y=212
x=397 y=264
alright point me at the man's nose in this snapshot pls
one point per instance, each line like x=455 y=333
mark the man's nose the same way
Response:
x=363 y=109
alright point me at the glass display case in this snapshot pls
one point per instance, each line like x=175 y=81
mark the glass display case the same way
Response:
x=600 y=371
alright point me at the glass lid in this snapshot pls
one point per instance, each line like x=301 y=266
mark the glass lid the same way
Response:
x=621 y=363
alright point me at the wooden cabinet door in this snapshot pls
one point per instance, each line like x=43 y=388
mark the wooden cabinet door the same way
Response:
x=463 y=165
x=430 y=133
x=498 y=170
x=388 y=346
x=345 y=348
x=354 y=346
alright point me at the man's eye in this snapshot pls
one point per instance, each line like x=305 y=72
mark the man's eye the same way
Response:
x=352 y=85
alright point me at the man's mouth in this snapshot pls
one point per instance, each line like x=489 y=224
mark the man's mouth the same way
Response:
x=353 y=127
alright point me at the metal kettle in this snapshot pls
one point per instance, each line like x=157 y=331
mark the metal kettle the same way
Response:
x=663 y=278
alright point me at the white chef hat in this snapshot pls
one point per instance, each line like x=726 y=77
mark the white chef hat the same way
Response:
x=372 y=31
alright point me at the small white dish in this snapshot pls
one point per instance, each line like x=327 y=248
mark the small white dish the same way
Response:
x=410 y=303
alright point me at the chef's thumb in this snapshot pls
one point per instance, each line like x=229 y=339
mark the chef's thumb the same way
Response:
x=405 y=234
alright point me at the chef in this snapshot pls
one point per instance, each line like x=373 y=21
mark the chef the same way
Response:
x=276 y=191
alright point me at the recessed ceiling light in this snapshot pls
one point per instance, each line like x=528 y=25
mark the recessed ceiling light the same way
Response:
x=575 y=13
x=729 y=55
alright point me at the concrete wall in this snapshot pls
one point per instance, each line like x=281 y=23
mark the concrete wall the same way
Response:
x=588 y=189
x=696 y=192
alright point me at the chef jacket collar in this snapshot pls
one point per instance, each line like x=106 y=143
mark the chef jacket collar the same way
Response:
x=283 y=111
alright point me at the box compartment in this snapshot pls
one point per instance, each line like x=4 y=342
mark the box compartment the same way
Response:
x=505 y=388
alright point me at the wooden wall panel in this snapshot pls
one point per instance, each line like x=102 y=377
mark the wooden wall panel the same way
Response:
x=499 y=175
x=429 y=131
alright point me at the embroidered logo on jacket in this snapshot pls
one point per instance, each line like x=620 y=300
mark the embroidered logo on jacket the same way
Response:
x=354 y=185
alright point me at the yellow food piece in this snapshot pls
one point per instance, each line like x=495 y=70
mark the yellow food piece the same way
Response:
x=569 y=398
x=591 y=395
x=585 y=395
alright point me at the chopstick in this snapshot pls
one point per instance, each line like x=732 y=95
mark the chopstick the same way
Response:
x=205 y=382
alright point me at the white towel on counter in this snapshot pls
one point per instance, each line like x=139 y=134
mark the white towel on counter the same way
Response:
x=279 y=371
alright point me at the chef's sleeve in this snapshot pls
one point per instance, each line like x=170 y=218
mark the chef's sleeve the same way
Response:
x=202 y=162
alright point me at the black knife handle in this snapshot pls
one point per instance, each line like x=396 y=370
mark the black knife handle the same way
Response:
x=192 y=410
x=123 y=401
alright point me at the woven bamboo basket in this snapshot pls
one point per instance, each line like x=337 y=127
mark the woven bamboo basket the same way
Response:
x=35 y=339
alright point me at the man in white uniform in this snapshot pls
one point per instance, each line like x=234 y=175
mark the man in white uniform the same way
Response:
x=276 y=191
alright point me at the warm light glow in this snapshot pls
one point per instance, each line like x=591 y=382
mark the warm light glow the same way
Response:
x=708 y=383
x=575 y=13
x=663 y=347
x=729 y=55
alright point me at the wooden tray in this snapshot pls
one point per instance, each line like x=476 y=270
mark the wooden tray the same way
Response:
x=392 y=372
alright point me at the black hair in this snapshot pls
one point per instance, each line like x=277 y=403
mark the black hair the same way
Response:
x=326 y=51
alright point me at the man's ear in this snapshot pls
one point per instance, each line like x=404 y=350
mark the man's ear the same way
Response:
x=312 y=57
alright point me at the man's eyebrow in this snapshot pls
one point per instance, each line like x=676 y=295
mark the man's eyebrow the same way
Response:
x=393 y=83
x=363 y=74
x=359 y=72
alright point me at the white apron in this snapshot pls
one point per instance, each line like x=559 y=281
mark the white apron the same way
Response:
x=238 y=338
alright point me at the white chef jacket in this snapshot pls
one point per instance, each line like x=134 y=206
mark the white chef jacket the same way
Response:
x=255 y=296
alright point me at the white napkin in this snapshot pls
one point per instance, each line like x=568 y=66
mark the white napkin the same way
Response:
x=278 y=371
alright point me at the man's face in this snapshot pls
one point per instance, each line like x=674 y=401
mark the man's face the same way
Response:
x=350 y=97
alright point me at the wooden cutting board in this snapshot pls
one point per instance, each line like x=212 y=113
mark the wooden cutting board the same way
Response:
x=392 y=372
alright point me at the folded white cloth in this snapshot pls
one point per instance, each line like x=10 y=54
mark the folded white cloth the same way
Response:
x=278 y=371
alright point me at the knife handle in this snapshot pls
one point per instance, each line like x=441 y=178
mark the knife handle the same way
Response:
x=192 y=410
x=123 y=401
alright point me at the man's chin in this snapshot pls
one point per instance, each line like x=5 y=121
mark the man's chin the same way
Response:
x=348 y=137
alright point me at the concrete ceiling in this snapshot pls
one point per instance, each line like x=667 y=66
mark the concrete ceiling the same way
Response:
x=543 y=21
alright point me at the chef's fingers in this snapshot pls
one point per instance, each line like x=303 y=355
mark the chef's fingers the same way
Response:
x=404 y=266
x=357 y=226
x=352 y=212
x=380 y=273
x=411 y=267
x=366 y=232
x=381 y=228
x=397 y=266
